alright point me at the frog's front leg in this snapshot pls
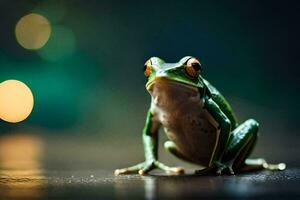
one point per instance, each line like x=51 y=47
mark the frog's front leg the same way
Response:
x=150 y=141
x=217 y=166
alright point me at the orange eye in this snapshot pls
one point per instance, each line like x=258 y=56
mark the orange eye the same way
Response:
x=193 y=67
x=147 y=68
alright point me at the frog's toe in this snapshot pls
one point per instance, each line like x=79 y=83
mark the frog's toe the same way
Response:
x=147 y=167
x=230 y=170
x=142 y=172
x=129 y=170
x=175 y=170
x=225 y=169
x=118 y=172
x=216 y=169
x=125 y=171
x=169 y=170
x=220 y=170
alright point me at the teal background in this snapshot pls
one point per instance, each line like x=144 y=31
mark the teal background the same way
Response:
x=95 y=94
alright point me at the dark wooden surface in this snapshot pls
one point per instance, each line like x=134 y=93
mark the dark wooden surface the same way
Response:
x=97 y=184
x=33 y=167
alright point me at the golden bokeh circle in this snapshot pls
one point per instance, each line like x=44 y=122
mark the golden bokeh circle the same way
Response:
x=33 y=31
x=16 y=101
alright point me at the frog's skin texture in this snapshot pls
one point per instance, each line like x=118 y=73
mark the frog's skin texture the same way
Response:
x=198 y=121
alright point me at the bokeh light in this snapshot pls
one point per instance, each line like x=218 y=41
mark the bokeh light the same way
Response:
x=33 y=31
x=16 y=101
x=21 y=151
x=21 y=167
x=61 y=44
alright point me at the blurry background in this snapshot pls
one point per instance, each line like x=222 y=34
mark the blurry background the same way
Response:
x=83 y=61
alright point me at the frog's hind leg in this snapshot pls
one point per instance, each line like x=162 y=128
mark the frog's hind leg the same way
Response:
x=172 y=148
x=240 y=146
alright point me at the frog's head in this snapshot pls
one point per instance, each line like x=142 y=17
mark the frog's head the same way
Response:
x=187 y=71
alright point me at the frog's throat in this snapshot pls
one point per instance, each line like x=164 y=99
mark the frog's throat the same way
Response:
x=179 y=81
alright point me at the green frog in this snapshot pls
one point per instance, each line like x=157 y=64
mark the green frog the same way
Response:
x=199 y=122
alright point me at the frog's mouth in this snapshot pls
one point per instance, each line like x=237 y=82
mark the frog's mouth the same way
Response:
x=179 y=83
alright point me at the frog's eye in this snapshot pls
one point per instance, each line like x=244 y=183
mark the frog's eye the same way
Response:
x=148 y=68
x=193 y=67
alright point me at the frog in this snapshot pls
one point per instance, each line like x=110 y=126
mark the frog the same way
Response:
x=199 y=122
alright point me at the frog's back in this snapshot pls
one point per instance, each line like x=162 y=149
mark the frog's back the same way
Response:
x=179 y=109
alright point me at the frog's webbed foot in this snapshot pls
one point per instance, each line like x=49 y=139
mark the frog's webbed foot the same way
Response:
x=129 y=170
x=148 y=166
x=260 y=164
x=145 y=167
x=275 y=167
x=217 y=168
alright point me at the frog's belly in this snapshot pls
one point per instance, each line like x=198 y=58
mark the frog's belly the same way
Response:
x=180 y=110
